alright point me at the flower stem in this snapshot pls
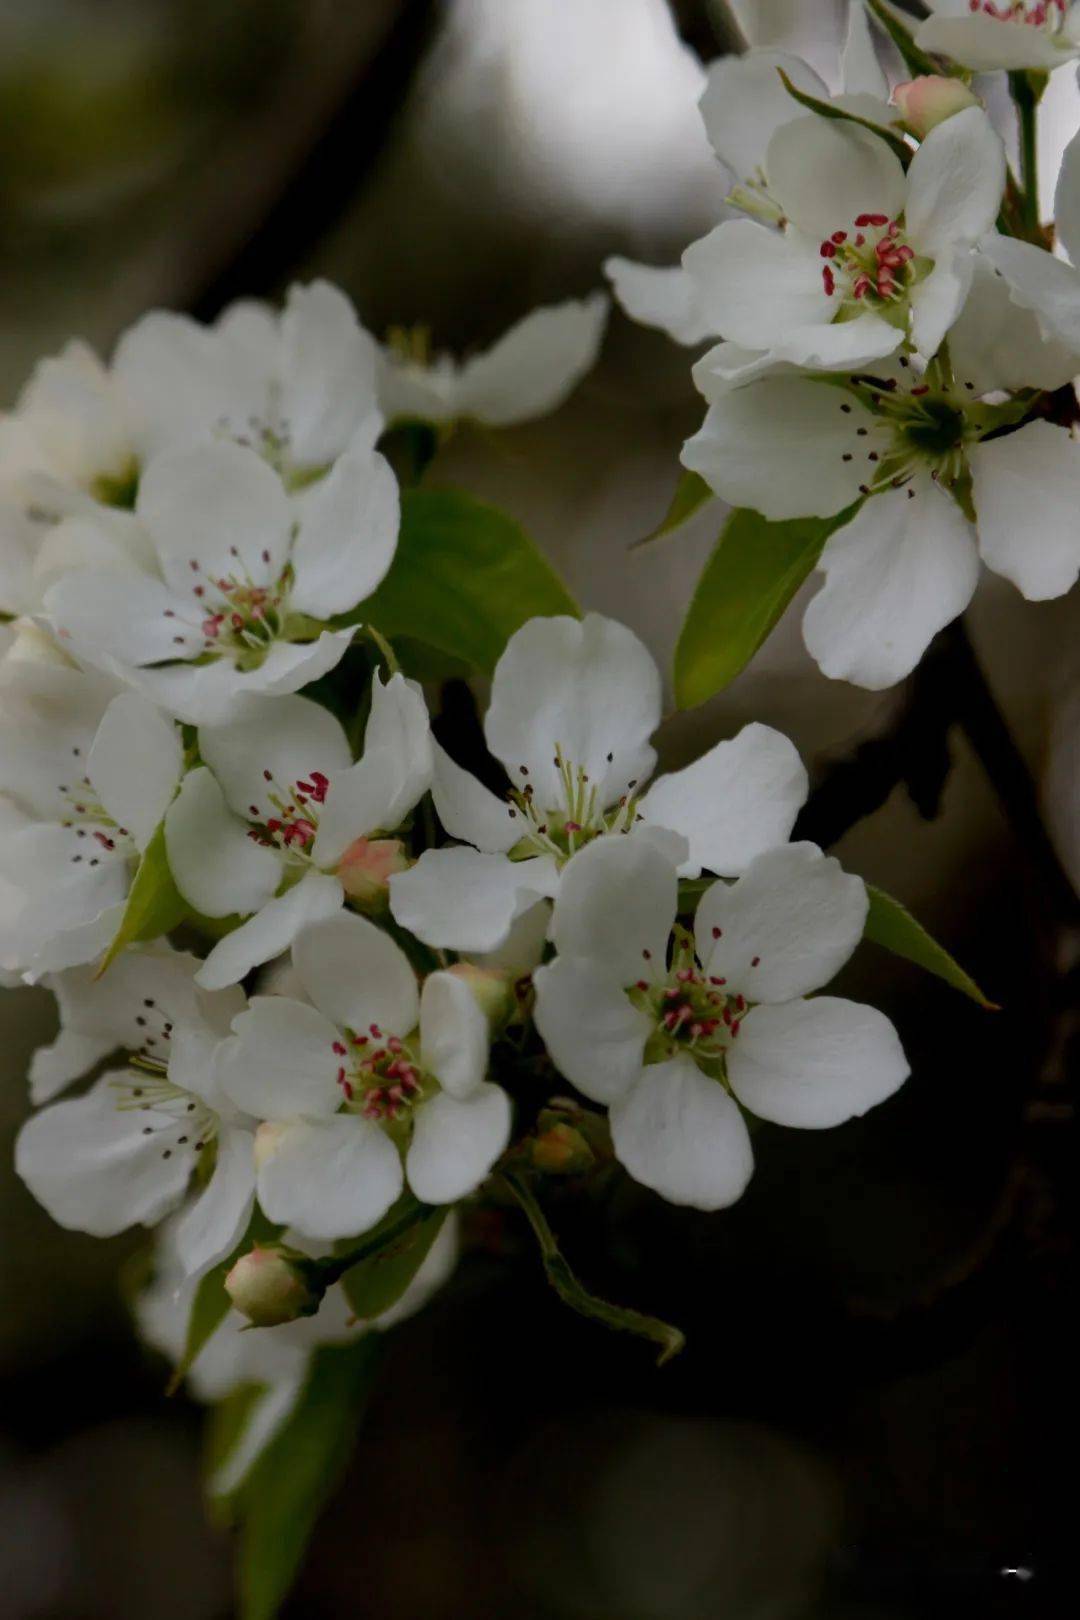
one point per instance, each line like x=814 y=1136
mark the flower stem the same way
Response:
x=1026 y=90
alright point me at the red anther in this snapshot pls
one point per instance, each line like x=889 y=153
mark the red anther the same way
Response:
x=340 y=1076
x=839 y=236
x=740 y=1002
x=726 y=1015
x=685 y=976
x=642 y=984
x=347 y=1089
x=894 y=227
x=885 y=286
x=573 y=826
x=211 y=626
x=671 y=990
x=828 y=250
x=860 y=240
x=397 y=1096
x=717 y=981
x=904 y=253
x=376 y=1031
x=359 y=1040
x=104 y=840
x=875 y=220
x=340 y=1048
x=717 y=932
x=647 y=955
x=862 y=286
x=321 y=785
x=829 y=281
x=923 y=388
x=735 y=1030
x=696 y=1031
x=755 y=961
x=237 y=621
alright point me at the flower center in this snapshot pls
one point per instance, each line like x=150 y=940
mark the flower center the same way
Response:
x=872 y=265
x=919 y=424
x=176 y=1117
x=242 y=618
x=290 y=820
x=1048 y=14
x=692 y=1011
x=564 y=828
x=380 y=1075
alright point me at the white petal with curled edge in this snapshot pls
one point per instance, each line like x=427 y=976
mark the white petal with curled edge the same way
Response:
x=218 y=1218
x=280 y=1060
x=1041 y=283
x=328 y=373
x=347 y=534
x=986 y=43
x=736 y=801
x=594 y=1034
x=455 y=1143
x=288 y=736
x=938 y=300
x=1037 y=468
x=894 y=576
x=330 y=1178
x=454 y=1035
x=860 y=69
x=470 y=811
x=783 y=446
x=356 y=974
x=785 y=927
x=100 y=1169
x=682 y=1135
x=824 y=173
x=216 y=866
x=464 y=900
x=955 y=183
x=616 y=906
x=219 y=506
x=817 y=1063
x=1067 y=200
x=534 y=366
x=997 y=343
x=271 y=930
x=745 y=102
x=135 y=763
x=588 y=686
x=660 y=296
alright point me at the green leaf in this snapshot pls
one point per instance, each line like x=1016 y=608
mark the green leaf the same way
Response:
x=915 y=58
x=752 y=575
x=154 y=905
x=890 y=924
x=464 y=578
x=691 y=493
x=378 y=1282
x=574 y=1294
x=281 y=1499
x=829 y=109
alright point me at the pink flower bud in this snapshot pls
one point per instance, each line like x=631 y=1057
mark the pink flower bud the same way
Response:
x=561 y=1151
x=926 y=102
x=366 y=868
x=269 y=1288
x=492 y=990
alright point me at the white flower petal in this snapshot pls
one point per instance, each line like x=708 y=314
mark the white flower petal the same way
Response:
x=740 y=798
x=997 y=343
x=955 y=183
x=328 y=372
x=682 y=1135
x=455 y=1143
x=72 y=1053
x=745 y=102
x=615 y=907
x=1035 y=470
x=330 y=1178
x=664 y=297
x=984 y=43
x=357 y=976
x=271 y=930
x=894 y=576
x=785 y=446
x=125 y=616
x=218 y=1218
x=220 y=506
x=287 y=736
x=184 y=382
x=939 y=298
x=216 y=866
x=1041 y=283
x=588 y=686
x=594 y=1034
x=100 y=1169
x=454 y=1036
x=755 y=284
x=824 y=172
x=280 y=1061
x=534 y=366
x=817 y=1063
x=785 y=927
x=1067 y=200
x=464 y=900
x=470 y=811
x=389 y=781
x=347 y=534
x=860 y=70
x=135 y=764
x=213 y=693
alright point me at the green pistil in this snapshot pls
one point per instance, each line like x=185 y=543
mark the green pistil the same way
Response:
x=118 y=490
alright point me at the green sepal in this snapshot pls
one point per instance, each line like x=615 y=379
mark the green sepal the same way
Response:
x=916 y=60
x=210 y=1305
x=829 y=109
x=373 y=1285
x=154 y=904
x=691 y=494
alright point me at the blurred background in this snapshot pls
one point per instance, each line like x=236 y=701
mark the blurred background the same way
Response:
x=875 y=1416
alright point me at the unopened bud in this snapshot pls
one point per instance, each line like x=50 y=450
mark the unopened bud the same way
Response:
x=561 y=1151
x=492 y=990
x=366 y=868
x=926 y=102
x=269 y=1288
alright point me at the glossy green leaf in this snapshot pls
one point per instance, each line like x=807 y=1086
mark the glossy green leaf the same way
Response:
x=890 y=924
x=691 y=494
x=916 y=60
x=752 y=575
x=154 y=904
x=279 y=1502
x=829 y=109
x=378 y=1282
x=464 y=578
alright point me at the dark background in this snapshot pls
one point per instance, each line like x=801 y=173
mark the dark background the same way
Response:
x=875 y=1415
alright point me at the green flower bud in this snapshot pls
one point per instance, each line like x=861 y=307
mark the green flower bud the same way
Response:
x=269 y=1286
x=561 y=1151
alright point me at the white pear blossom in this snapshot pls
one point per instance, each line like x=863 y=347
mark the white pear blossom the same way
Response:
x=674 y=1034
x=744 y=103
x=1013 y=34
x=573 y=706
x=86 y=775
x=277 y=1358
x=871 y=256
x=939 y=470
x=126 y=1150
x=528 y=372
x=270 y=827
x=241 y=579
x=368 y=1084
